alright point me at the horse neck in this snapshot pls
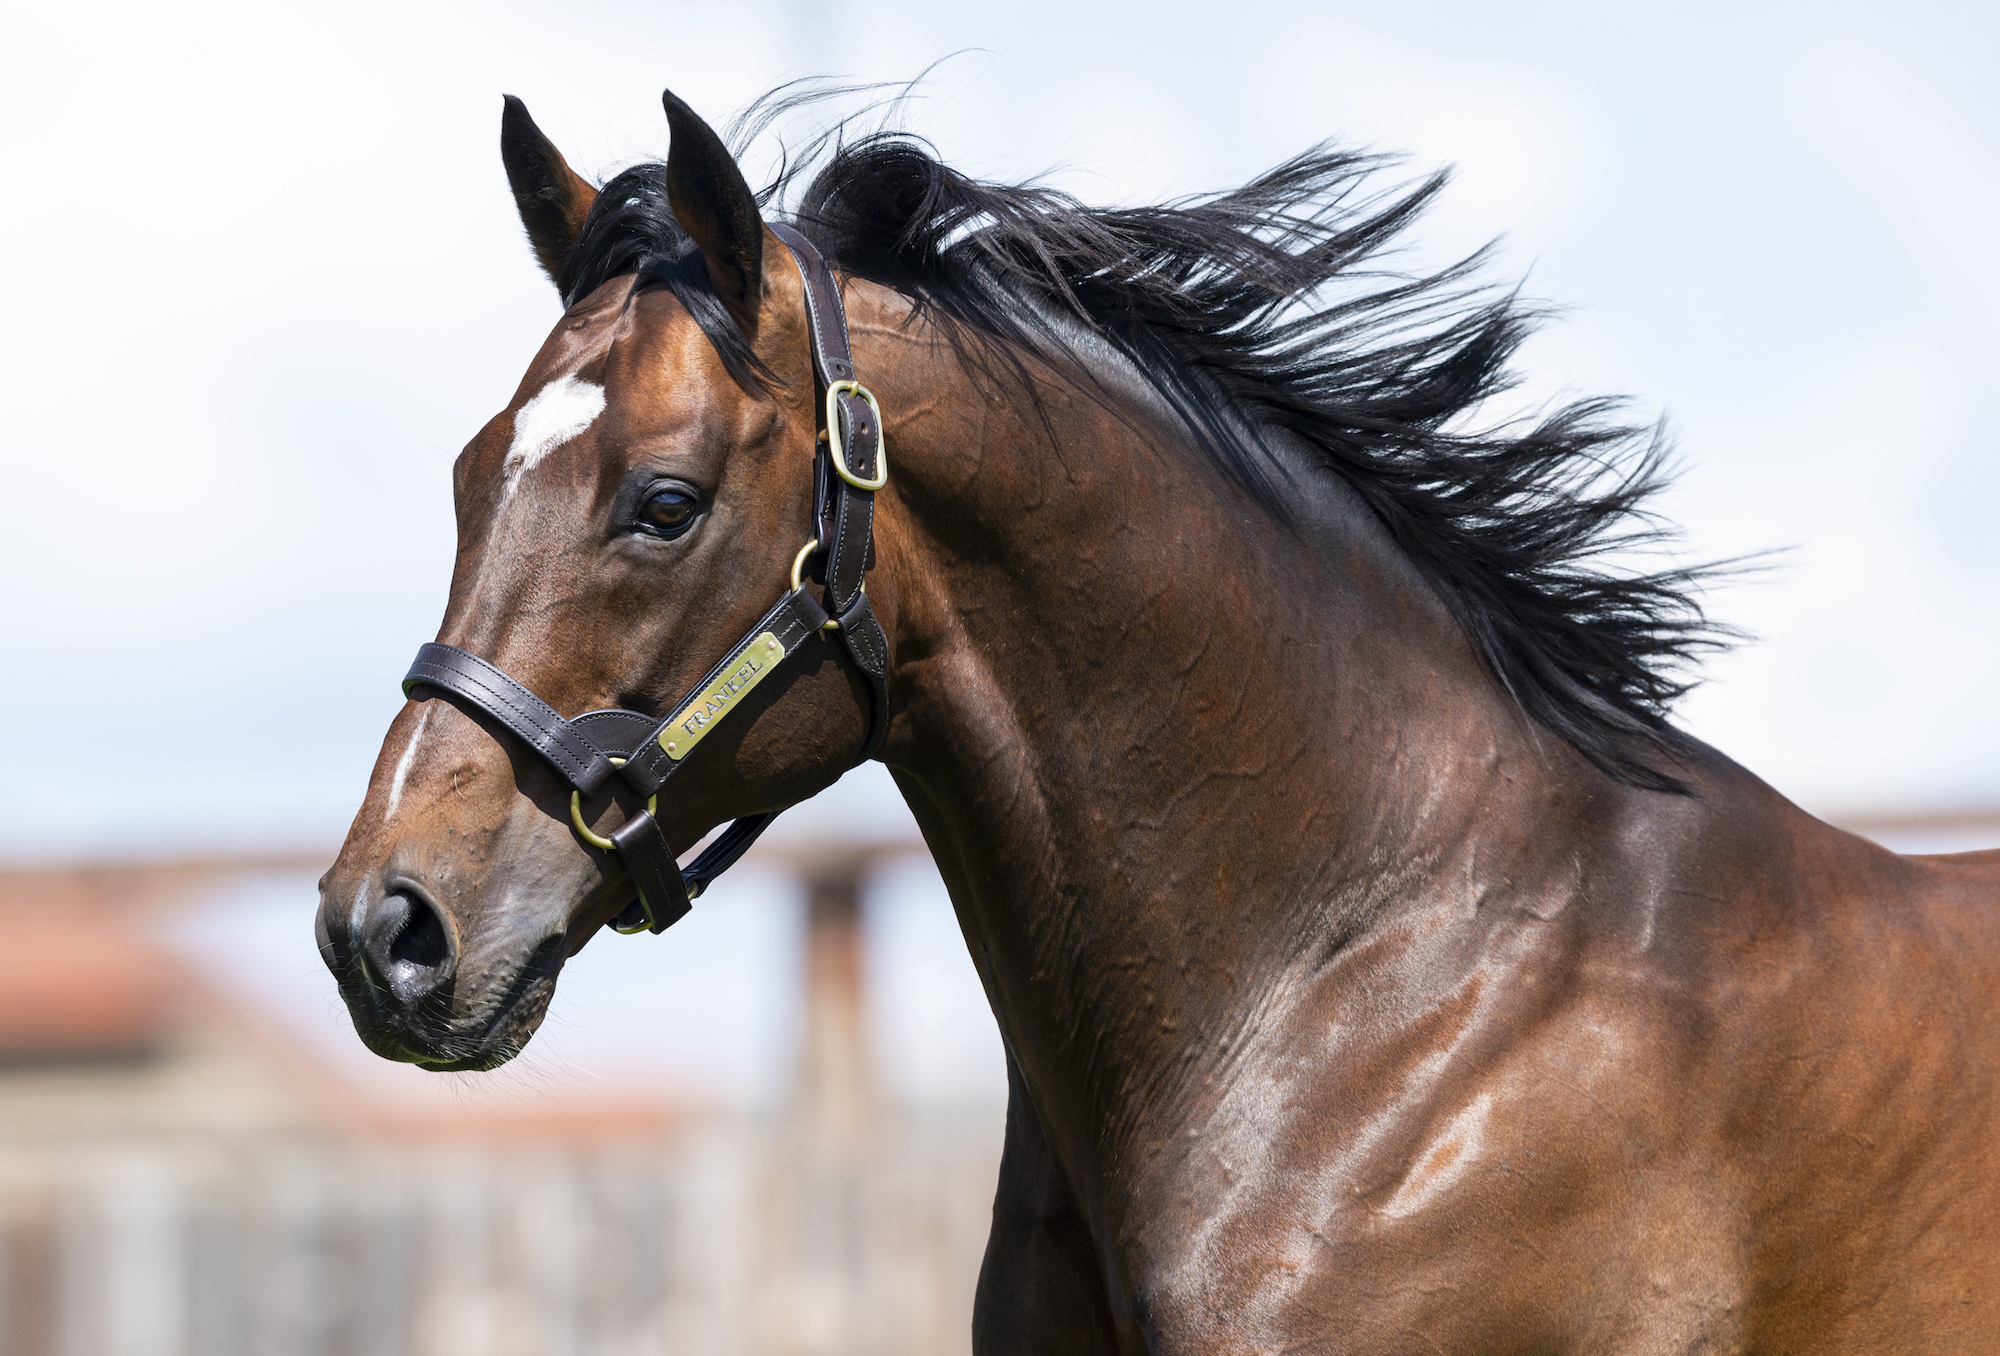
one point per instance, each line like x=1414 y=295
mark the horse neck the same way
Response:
x=1169 y=750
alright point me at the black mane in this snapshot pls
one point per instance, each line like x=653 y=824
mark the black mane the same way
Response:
x=1266 y=308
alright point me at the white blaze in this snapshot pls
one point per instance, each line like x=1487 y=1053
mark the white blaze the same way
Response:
x=551 y=417
x=402 y=773
x=555 y=414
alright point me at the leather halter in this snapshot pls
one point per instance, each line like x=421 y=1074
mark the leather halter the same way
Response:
x=646 y=751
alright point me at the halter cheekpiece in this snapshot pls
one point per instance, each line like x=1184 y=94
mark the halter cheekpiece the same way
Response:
x=849 y=466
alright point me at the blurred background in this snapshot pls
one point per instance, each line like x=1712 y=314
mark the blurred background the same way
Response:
x=263 y=278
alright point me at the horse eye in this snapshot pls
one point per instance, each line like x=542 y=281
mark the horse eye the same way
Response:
x=668 y=513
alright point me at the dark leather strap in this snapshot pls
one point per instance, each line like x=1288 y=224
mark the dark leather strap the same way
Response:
x=617 y=732
x=795 y=619
x=533 y=720
x=656 y=874
x=851 y=533
x=645 y=852
x=665 y=892
x=861 y=635
x=826 y=317
x=844 y=515
x=723 y=853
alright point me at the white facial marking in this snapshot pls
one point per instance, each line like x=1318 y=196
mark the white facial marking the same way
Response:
x=555 y=414
x=402 y=773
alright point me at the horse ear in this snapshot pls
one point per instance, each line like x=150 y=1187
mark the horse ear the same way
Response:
x=553 y=198
x=714 y=204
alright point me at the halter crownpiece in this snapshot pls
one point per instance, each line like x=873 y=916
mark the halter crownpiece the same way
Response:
x=848 y=467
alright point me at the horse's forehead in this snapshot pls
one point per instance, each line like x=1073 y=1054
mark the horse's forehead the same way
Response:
x=580 y=339
x=662 y=368
x=639 y=362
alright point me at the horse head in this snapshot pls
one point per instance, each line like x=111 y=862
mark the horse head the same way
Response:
x=644 y=497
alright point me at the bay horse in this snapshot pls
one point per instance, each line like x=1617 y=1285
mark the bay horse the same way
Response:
x=1378 y=969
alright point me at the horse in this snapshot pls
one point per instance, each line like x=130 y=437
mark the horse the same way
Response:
x=1379 y=969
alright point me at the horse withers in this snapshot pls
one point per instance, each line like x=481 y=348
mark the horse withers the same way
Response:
x=1378 y=969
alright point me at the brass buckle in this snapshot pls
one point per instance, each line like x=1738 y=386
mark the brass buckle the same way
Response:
x=833 y=391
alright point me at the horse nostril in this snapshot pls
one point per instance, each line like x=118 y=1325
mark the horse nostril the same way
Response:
x=407 y=944
x=422 y=944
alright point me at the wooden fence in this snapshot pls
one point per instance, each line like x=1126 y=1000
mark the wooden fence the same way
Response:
x=745 y=1237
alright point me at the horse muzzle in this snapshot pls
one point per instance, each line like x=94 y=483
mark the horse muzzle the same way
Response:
x=398 y=958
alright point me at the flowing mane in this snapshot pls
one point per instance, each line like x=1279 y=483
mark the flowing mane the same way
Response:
x=1259 y=310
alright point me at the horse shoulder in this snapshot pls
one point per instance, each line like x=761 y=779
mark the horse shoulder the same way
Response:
x=1723 y=1099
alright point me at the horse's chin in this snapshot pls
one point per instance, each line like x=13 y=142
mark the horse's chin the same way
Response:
x=451 y=975
x=453 y=1052
x=476 y=1065
x=462 y=1045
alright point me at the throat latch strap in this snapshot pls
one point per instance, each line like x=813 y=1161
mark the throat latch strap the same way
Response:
x=849 y=466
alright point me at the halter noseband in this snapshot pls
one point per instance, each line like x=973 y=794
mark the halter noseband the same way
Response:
x=849 y=466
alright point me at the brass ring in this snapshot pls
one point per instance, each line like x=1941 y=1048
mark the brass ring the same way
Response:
x=598 y=841
x=798 y=566
x=645 y=923
x=799 y=561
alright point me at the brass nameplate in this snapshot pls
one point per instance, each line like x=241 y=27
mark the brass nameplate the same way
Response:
x=699 y=716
